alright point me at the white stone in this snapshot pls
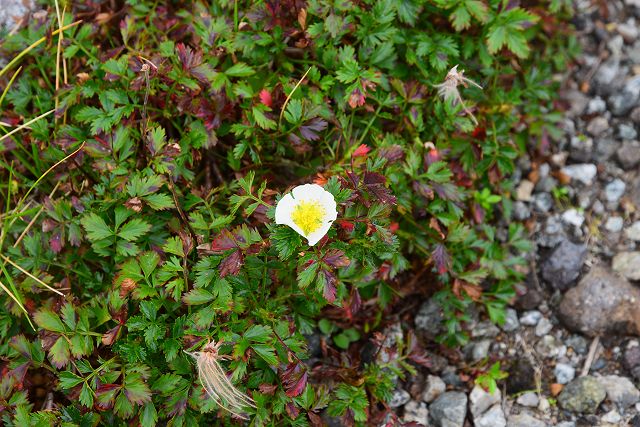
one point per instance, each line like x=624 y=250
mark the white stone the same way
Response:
x=494 y=417
x=529 y=399
x=573 y=217
x=633 y=232
x=543 y=327
x=530 y=318
x=614 y=224
x=583 y=172
x=481 y=400
x=433 y=388
x=564 y=373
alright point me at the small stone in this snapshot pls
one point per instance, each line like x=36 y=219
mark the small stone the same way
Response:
x=529 y=399
x=628 y=30
x=563 y=266
x=416 y=412
x=607 y=71
x=546 y=184
x=524 y=420
x=627 y=132
x=631 y=360
x=627 y=264
x=564 y=373
x=620 y=390
x=521 y=211
x=481 y=400
x=614 y=224
x=551 y=347
x=577 y=102
x=601 y=304
x=494 y=417
x=596 y=106
x=597 y=126
x=543 y=327
x=433 y=388
x=624 y=100
x=530 y=318
x=629 y=154
x=582 y=172
x=485 y=328
x=578 y=343
x=612 y=417
x=511 y=322
x=543 y=202
x=633 y=232
x=566 y=424
x=429 y=319
x=582 y=395
x=480 y=350
x=573 y=217
x=449 y=409
x=524 y=190
x=614 y=190
x=399 y=398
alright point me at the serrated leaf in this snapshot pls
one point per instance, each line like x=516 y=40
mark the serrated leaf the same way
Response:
x=59 y=353
x=86 y=396
x=69 y=380
x=197 y=296
x=239 y=70
x=133 y=229
x=49 y=320
x=159 y=201
x=306 y=276
x=96 y=227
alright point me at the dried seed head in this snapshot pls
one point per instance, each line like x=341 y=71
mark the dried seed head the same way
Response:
x=215 y=381
x=448 y=90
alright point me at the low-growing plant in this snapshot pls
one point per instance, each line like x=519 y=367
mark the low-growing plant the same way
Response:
x=161 y=137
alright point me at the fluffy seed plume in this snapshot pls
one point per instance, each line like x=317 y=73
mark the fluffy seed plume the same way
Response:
x=448 y=90
x=215 y=381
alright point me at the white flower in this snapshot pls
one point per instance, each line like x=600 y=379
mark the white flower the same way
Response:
x=309 y=209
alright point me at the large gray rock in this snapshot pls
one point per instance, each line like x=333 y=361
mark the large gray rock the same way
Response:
x=620 y=390
x=563 y=266
x=627 y=264
x=449 y=410
x=602 y=303
x=582 y=395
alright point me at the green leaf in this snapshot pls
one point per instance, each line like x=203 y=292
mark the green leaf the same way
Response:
x=267 y=353
x=134 y=229
x=159 y=201
x=258 y=333
x=96 y=227
x=149 y=415
x=305 y=277
x=239 y=70
x=69 y=380
x=198 y=296
x=49 y=320
x=136 y=389
x=263 y=121
x=59 y=353
x=86 y=396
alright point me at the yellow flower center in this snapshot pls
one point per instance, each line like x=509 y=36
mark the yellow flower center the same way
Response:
x=308 y=216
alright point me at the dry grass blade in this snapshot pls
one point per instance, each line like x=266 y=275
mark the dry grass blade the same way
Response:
x=25 y=125
x=13 y=297
x=217 y=384
x=286 y=101
x=35 y=44
x=25 y=272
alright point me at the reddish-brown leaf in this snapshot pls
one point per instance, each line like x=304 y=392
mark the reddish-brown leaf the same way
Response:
x=441 y=258
x=336 y=258
x=294 y=379
x=231 y=264
x=223 y=242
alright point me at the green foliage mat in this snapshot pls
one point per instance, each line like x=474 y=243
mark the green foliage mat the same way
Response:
x=145 y=195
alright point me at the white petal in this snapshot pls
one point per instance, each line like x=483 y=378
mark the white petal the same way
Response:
x=284 y=208
x=307 y=192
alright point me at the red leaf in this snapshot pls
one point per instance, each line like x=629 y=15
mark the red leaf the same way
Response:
x=269 y=389
x=355 y=302
x=55 y=242
x=292 y=410
x=345 y=225
x=361 y=151
x=375 y=185
x=336 y=258
x=294 y=379
x=356 y=99
x=231 y=264
x=223 y=242
x=441 y=258
x=330 y=290
x=265 y=98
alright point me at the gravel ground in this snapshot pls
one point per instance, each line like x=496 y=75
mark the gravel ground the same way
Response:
x=12 y=12
x=570 y=342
